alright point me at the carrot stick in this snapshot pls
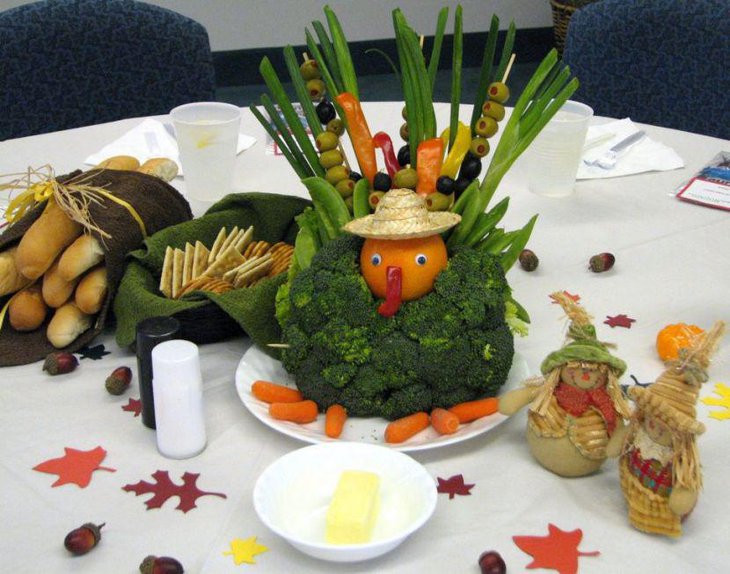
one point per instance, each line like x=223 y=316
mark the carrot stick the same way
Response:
x=404 y=428
x=274 y=393
x=472 y=410
x=301 y=412
x=444 y=422
x=334 y=420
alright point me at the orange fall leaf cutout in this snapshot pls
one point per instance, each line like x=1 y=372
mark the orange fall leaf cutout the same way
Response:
x=76 y=466
x=556 y=551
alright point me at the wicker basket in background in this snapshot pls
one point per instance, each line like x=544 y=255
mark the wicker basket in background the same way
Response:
x=562 y=12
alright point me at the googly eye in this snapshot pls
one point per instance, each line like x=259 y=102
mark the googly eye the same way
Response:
x=421 y=259
x=376 y=259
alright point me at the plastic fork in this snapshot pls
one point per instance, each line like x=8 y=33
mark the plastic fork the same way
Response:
x=608 y=159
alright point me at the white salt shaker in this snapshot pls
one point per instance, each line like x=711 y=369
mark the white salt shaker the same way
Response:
x=178 y=389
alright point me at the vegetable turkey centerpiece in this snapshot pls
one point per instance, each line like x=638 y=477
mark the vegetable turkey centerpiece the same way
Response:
x=396 y=300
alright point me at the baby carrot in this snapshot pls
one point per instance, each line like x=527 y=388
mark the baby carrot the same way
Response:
x=404 y=428
x=444 y=422
x=301 y=412
x=472 y=410
x=334 y=421
x=274 y=393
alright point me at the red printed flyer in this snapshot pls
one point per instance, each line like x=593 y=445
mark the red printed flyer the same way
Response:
x=711 y=186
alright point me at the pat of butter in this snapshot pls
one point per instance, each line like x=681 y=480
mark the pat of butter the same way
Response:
x=354 y=508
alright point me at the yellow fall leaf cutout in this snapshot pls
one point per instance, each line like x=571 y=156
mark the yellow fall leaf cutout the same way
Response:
x=245 y=550
x=723 y=401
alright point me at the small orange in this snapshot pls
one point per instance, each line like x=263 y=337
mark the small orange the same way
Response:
x=674 y=337
x=421 y=259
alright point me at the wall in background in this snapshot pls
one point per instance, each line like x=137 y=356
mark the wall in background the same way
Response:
x=249 y=24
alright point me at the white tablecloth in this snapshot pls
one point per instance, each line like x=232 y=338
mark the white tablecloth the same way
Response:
x=672 y=264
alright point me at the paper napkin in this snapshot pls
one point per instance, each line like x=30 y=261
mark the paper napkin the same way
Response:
x=645 y=155
x=151 y=138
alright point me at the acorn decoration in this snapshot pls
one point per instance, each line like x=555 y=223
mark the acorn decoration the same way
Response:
x=83 y=539
x=160 y=565
x=60 y=363
x=659 y=467
x=576 y=407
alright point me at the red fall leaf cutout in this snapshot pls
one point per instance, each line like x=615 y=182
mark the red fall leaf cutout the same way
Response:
x=133 y=406
x=453 y=486
x=619 y=321
x=556 y=551
x=164 y=489
x=76 y=466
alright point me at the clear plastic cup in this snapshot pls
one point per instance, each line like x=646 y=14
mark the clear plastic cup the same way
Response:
x=554 y=156
x=207 y=138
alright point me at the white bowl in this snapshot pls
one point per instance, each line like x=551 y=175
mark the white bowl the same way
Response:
x=292 y=496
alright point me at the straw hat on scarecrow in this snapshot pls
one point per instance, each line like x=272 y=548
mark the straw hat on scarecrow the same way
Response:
x=660 y=469
x=402 y=214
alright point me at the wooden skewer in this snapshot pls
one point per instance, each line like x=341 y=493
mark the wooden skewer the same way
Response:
x=278 y=345
x=306 y=57
x=509 y=68
x=420 y=41
x=344 y=157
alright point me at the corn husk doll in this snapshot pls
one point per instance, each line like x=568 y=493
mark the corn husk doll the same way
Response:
x=577 y=406
x=659 y=466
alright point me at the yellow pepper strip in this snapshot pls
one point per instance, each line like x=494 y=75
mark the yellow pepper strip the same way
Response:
x=428 y=165
x=458 y=151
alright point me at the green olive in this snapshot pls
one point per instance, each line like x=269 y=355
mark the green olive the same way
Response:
x=336 y=126
x=493 y=110
x=345 y=187
x=438 y=201
x=375 y=197
x=479 y=147
x=336 y=174
x=404 y=113
x=486 y=127
x=405 y=178
x=498 y=92
x=348 y=203
x=316 y=89
x=310 y=70
x=326 y=141
x=331 y=158
x=404 y=132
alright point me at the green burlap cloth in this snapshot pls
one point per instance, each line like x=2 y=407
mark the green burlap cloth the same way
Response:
x=250 y=310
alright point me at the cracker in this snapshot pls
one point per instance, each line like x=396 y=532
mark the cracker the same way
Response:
x=194 y=285
x=166 y=276
x=200 y=259
x=178 y=261
x=226 y=261
x=188 y=263
x=244 y=239
x=217 y=245
x=230 y=240
x=253 y=269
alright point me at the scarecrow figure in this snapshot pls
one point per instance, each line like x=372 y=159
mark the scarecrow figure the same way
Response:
x=577 y=406
x=659 y=466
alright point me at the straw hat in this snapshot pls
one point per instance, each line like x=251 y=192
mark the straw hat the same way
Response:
x=402 y=214
x=673 y=397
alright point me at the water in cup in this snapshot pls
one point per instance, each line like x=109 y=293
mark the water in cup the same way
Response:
x=554 y=156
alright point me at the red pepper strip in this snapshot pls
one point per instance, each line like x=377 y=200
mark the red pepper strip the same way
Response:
x=362 y=141
x=383 y=141
x=393 y=289
x=428 y=165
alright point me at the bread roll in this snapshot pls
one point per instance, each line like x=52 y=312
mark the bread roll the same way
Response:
x=26 y=310
x=161 y=167
x=56 y=290
x=120 y=162
x=83 y=254
x=44 y=240
x=91 y=291
x=66 y=325
x=11 y=280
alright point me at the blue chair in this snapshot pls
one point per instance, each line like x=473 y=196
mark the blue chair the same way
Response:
x=661 y=62
x=70 y=63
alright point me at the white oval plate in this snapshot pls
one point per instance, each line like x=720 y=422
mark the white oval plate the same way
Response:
x=256 y=365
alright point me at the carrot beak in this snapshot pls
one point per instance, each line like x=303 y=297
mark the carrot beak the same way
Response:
x=393 y=290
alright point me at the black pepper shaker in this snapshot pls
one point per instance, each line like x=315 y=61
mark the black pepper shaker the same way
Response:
x=150 y=333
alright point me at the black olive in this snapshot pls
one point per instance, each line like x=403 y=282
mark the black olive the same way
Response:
x=381 y=181
x=404 y=155
x=445 y=184
x=354 y=176
x=326 y=111
x=471 y=167
x=460 y=185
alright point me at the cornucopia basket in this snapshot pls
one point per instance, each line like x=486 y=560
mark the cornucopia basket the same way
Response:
x=157 y=205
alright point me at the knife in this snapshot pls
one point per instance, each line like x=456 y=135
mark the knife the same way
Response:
x=608 y=159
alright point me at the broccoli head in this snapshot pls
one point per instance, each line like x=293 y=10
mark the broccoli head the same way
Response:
x=449 y=346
